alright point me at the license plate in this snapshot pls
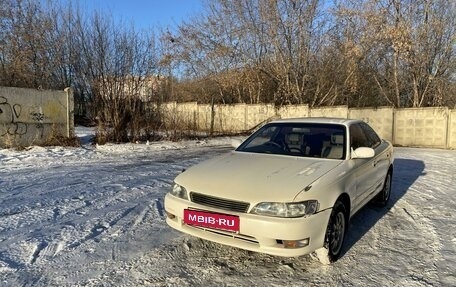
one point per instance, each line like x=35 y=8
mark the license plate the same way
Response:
x=211 y=220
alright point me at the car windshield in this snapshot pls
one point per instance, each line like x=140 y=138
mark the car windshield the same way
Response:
x=298 y=139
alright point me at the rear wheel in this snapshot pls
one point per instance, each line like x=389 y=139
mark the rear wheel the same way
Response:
x=383 y=197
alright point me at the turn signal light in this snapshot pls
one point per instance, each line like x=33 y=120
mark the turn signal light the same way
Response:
x=296 y=243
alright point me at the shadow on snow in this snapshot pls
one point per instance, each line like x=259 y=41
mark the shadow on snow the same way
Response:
x=406 y=172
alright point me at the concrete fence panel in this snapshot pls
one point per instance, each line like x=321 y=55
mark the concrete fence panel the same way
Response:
x=30 y=116
x=187 y=115
x=452 y=129
x=260 y=113
x=381 y=119
x=230 y=118
x=169 y=107
x=203 y=117
x=336 y=112
x=430 y=127
x=295 y=111
x=425 y=127
x=169 y=111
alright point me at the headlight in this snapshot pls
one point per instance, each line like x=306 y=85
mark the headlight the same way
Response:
x=292 y=209
x=179 y=191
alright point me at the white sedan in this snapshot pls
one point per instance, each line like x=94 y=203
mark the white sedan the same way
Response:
x=288 y=190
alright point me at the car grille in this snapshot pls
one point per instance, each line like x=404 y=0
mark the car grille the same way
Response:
x=216 y=202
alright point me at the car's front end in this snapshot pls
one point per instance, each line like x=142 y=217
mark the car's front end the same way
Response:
x=210 y=218
x=248 y=201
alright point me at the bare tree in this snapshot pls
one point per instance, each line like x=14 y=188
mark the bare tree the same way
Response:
x=319 y=52
x=277 y=39
x=46 y=45
x=407 y=45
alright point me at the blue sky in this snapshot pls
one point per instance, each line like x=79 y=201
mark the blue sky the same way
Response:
x=146 y=13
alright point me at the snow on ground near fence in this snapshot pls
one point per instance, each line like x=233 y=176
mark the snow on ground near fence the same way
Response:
x=93 y=216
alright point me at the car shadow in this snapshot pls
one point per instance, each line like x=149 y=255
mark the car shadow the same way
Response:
x=406 y=172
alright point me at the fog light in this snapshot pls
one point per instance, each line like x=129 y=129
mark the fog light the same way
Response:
x=170 y=215
x=296 y=243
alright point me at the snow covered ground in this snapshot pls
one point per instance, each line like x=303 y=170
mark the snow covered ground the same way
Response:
x=93 y=216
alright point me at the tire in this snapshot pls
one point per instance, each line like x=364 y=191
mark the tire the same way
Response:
x=336 y=230
x=383 y=197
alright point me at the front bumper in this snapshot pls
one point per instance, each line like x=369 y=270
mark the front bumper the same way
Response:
x=257 y=233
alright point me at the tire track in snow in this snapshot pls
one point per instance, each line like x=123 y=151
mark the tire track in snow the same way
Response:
x=203 y=263
x=392 y=251
x=158 y=206
x=36 y=253
x=70 y=208
x=100 y=228
x=138 y=219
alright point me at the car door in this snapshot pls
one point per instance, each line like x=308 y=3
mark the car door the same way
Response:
x=382 y=157
x=364 y=168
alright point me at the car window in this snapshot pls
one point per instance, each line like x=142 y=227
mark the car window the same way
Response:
x=372 y=137
x=298 y=139
x=358 y=137
x=264 y=135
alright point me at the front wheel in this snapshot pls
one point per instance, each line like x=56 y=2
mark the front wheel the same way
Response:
x=336 y=231
x=335 y=235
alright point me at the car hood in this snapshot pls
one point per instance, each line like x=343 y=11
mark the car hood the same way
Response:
x=254 y=177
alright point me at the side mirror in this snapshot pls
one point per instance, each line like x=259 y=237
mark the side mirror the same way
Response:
x=236 y=143
x=363 y=152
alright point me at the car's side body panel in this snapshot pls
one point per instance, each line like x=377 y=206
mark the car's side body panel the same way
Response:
x=370 y=175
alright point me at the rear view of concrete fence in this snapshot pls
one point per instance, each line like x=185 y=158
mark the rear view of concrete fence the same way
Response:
x=420 y=127
x=33 y=117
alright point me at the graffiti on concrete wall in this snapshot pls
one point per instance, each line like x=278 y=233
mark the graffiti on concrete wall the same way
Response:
x=13 y=119
x=34 y=117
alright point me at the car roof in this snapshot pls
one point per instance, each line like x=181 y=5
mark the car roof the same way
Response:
x=320 y=120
